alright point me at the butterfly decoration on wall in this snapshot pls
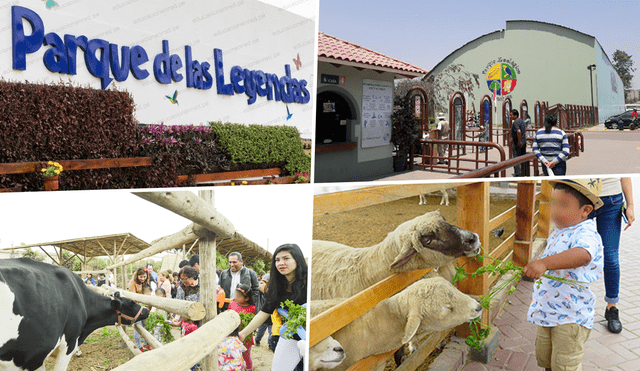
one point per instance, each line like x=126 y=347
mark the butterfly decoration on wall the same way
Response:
x=174 y=99
x=289 y=114
x=50 y=3
x=298 y=62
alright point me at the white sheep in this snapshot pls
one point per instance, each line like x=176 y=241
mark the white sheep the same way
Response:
x=426 y=241
x=443 y=200
x=327 y=354
x=428 y=305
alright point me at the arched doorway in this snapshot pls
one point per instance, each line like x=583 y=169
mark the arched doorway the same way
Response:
x=458 y=119
x=524 y=112
x=538 y=115
x=506 y=120
x=333 y=115
x=457 y=116
x=486 y=115
x=420 y=101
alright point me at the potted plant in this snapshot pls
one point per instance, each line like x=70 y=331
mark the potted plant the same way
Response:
x=404 y=131
x=50 y=174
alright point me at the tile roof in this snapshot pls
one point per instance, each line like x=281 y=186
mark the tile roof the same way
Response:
x=341 y=50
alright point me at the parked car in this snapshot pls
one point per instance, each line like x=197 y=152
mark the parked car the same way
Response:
x=623 y=119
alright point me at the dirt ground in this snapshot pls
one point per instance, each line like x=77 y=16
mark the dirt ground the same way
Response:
x=103 y=351
x=370 y=225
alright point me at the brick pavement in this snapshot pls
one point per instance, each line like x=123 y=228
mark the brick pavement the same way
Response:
x=603 y=351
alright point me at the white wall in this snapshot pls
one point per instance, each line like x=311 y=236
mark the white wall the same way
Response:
x=250 y=33
x=353 y=85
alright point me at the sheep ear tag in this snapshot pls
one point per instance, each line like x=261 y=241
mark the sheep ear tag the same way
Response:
x=403 y=258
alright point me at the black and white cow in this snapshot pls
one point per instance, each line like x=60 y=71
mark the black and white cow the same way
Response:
x=47 y=310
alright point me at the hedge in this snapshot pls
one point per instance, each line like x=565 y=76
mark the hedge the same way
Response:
x=41 y=122
x=256 y=144
x=62 y=122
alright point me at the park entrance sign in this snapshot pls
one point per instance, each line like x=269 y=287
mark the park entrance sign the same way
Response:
x=179 y=68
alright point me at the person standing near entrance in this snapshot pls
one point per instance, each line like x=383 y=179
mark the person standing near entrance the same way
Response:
x=551 y=146
x=518 y=139
x=443 y=134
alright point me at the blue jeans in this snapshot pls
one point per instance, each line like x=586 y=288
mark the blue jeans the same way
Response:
x=137 y=338
x=261 y=330
x=559 y=169
x=609 y=221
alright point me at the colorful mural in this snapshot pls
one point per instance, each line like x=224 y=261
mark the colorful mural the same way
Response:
x=501 y=77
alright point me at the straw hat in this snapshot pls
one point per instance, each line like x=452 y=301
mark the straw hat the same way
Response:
x=441 y=116
x=590 y=188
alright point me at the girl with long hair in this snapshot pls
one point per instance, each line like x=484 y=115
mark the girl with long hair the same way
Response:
x=288 y=281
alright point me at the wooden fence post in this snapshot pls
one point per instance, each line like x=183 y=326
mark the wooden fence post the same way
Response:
x=473 y=215
x=544 y=216
x=208 y=282
x=525 y=213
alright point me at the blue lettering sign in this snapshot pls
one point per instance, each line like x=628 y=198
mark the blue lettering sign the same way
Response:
x=108 y=61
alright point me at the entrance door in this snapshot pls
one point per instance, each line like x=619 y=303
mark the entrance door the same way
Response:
x=486 y=116
x=333 y=115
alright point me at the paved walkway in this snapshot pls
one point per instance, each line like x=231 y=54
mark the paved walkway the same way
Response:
x=604 y=351
x=606 y=152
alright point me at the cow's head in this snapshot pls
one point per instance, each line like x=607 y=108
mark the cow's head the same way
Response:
x=128 y=311
x=428 y=241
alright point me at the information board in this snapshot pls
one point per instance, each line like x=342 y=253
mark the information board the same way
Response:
x=377 y=103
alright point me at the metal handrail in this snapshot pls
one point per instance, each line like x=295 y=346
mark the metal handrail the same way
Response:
x=501 y=167
x=425 y=143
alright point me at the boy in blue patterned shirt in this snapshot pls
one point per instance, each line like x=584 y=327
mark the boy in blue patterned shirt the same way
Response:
x=564 y=312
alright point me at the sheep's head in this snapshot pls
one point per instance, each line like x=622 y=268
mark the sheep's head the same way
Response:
x=428 y=241
x=326 y=354
x=434 y=304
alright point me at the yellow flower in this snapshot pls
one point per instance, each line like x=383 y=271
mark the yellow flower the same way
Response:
x=244 y=182
x=232 y=183
x=43 y=170
x=57 y=172
x=50 y=163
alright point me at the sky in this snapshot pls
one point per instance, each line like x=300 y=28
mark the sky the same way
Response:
x=425 y=32
x=305 y=8
x=271 y=215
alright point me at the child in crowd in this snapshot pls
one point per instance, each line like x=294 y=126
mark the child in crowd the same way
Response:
x=243 y=302
x=160 y=292
x=231 y=353
x=140 y=342
x=186 y=327
x=565 y=312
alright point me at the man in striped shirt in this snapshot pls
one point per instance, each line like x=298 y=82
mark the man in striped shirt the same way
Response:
x=551 y=146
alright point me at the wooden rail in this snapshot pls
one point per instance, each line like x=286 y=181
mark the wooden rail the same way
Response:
x=68 y=165
x=473 y=203
x=186 y=351
x=229 y=175
x=332 y=320
x=271 y=175
x=188 y=309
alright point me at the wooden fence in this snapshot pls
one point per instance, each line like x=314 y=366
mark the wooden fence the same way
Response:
x=531 y=214
x=267 y=176
x=201 y=346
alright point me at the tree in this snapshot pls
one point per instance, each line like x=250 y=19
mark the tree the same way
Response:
x=453 y=78
x=29 y=253
x=623 y=64
x=405 y=127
